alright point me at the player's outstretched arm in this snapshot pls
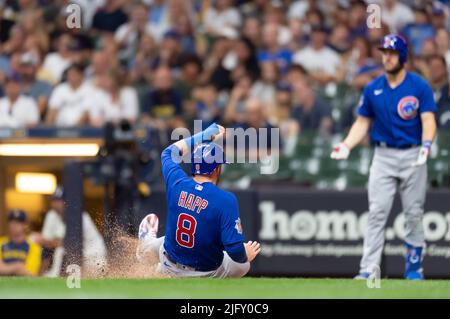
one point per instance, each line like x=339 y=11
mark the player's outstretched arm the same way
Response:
x=171 y=156
x=213 y=132
x=357 y=132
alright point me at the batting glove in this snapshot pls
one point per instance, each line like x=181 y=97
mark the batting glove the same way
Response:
x=423 y=153
x=340 y=151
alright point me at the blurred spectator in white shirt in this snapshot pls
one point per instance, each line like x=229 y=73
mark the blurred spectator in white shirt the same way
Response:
x=70 y=100
x=319 y=60
x=16 y=109
x=129 y=34
x=298 y=9
x=221 y=16
x=275 y=14
x=52 y=239
x=56 y=62
x=100 y=64
x=396 y=15
x=158 y=17
x=113 y=102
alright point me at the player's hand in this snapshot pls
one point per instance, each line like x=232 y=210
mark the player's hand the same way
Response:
x=252 y=249
x=221 y=133
x=340 y=151
x=423 y=155
x=210 y=132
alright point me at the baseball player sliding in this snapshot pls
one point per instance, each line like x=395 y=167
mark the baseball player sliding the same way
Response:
x=204 y=233
x=398 y=109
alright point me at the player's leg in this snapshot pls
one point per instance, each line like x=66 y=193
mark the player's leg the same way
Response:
x=231 y=269
x=382 y=188
x=149 y=245
x=413 y=192
x=167 y=267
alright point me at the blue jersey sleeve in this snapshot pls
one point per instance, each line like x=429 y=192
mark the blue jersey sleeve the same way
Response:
x=237 y=252
x=231 y=230
x=364 y=107
x=170 y=162
x=426 y=100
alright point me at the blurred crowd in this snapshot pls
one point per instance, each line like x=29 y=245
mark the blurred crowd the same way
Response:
x=297 y=65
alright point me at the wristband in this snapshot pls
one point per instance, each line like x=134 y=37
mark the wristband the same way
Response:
x=202 y=136
x=427 y=144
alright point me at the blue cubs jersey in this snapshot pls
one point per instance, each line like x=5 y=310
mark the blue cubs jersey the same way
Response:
x=202 y=219
x=396 y=112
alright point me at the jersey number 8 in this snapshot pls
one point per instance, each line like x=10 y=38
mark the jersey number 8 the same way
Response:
x=185 y=234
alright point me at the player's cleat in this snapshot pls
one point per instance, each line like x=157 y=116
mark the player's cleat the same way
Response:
x=362 y=276
x=413 y=263
x=149 y=226
x=414 y=275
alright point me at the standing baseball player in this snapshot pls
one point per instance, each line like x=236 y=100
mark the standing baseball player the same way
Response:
x=204 y=233
x=398 y=109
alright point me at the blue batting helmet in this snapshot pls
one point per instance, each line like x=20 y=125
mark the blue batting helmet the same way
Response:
x=396 y=43
x=206 y=157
